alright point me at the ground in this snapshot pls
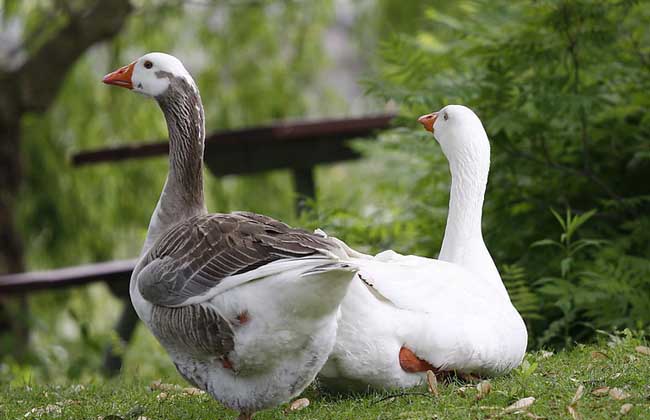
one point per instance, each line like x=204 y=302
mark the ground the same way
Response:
x=613 y=376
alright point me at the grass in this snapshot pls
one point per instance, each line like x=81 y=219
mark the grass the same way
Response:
x=552 y=379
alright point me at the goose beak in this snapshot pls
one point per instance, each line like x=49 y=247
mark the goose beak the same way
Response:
x=428 y=120
x=121 y=77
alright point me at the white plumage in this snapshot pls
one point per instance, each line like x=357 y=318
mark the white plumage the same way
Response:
x=406 y=314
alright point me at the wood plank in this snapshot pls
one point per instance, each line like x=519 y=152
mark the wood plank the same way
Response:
x=295 y=145
x=305 y=187
x=119 y=270
x=260 y=149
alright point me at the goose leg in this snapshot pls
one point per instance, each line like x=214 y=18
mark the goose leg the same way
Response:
x=245 y=416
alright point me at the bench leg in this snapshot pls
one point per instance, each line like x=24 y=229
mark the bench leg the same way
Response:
x=124 y=329
x=303 y=179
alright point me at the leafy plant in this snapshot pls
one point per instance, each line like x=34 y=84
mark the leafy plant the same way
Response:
x=557 y=86
x=522 y=295
x=523 y=374
x=564 y=289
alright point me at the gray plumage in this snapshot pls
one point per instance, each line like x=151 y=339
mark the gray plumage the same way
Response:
x=196 y=329
x=183 y=109
x=270 y=335
x=189 y=257
x=195 y=255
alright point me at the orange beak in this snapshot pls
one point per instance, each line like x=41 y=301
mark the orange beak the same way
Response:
x=428 y=120
x=121 y=77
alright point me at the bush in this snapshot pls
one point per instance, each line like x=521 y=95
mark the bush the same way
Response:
x=561 y=89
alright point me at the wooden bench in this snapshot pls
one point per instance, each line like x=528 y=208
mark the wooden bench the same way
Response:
x=297 y=146
x=116 y=274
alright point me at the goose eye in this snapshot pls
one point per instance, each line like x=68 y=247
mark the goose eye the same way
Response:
x=148 y=64
x=445 y=116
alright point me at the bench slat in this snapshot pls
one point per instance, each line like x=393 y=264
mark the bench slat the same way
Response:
x=119 y=270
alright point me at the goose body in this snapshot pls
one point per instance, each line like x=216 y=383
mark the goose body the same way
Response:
x=404 y=314
x=251 y=337
x=245 y=305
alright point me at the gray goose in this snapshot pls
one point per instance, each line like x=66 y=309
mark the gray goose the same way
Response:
x=246 y=306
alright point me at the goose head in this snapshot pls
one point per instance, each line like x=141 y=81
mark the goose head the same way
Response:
x=164 y=78
x=151 y=75
x=459 y=132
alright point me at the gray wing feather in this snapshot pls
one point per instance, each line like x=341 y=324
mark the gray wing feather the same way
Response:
x=196 y=329
x=196 y=255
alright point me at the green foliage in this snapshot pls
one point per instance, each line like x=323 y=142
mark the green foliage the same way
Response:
x=253 y=67
x=560 y=87
x=595 y=285
x=521 y=294
x=385 y=209
x=524 y=374
x=566 y=289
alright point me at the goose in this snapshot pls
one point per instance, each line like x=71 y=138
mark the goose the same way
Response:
x=245 y=306
x=404 y=314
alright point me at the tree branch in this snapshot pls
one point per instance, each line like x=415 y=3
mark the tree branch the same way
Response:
x=548 y=162
x=39 y=79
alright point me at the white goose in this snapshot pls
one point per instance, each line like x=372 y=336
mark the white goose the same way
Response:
x=245 y=305
x=405 y=315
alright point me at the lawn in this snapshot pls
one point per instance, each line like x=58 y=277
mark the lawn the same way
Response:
x=607 y=380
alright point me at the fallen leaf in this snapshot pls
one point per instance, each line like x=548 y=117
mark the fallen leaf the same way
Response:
x=618 y=394
x=161 y=396
x=643 y=350
x=574 y=412
x=193 y=391
x=483 y=388
x=521 y=405
x=598 y=355
x=53 y=409
x=625 y=408
x=299 y=404
x=579 y=393
x=161 y=386
x=534 y=416
x=432 y=381
x=617 y=375
x=463 y=390
x=489 y=407
x=601 y=391
x=142 y=418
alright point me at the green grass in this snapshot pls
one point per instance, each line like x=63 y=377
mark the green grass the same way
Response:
x=551 y=379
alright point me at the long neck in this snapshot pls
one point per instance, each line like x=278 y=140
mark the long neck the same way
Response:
x=468 y=182
x=463 y=242
x=182 y=195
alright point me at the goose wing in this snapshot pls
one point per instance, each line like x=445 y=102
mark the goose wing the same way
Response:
x=424 y=285
x=208 y=254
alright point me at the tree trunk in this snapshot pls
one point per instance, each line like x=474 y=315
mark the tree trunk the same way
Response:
x=13 y=310
x=29 y=89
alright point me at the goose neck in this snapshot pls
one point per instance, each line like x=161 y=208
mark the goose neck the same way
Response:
x=185 y=122
x=182 y=196
x=468 y=183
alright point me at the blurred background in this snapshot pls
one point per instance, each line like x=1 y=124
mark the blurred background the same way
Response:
x=561 y=86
